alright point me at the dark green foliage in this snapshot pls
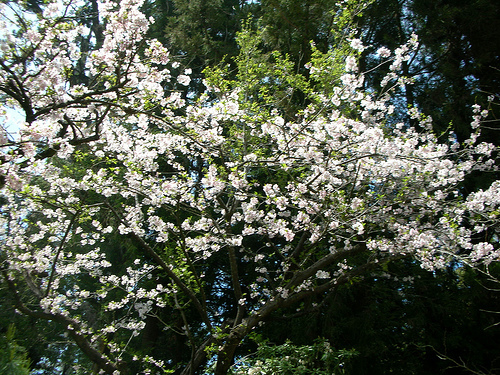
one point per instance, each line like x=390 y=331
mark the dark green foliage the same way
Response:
x=458 y=63
x=401 y=325
x=204 y=31
x=288 y=359
x=13 y=357
x=36 y=345
x=291 y=25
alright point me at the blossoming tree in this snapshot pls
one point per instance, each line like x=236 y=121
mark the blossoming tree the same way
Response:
x=225 y=195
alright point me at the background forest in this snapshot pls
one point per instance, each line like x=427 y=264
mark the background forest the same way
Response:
x=392 y=315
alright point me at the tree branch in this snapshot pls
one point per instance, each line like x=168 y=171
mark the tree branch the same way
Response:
x=72 y=327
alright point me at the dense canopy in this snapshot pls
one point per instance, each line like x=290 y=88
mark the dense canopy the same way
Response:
x=249 y=187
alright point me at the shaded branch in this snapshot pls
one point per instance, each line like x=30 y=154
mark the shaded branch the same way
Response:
x=73 y=328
